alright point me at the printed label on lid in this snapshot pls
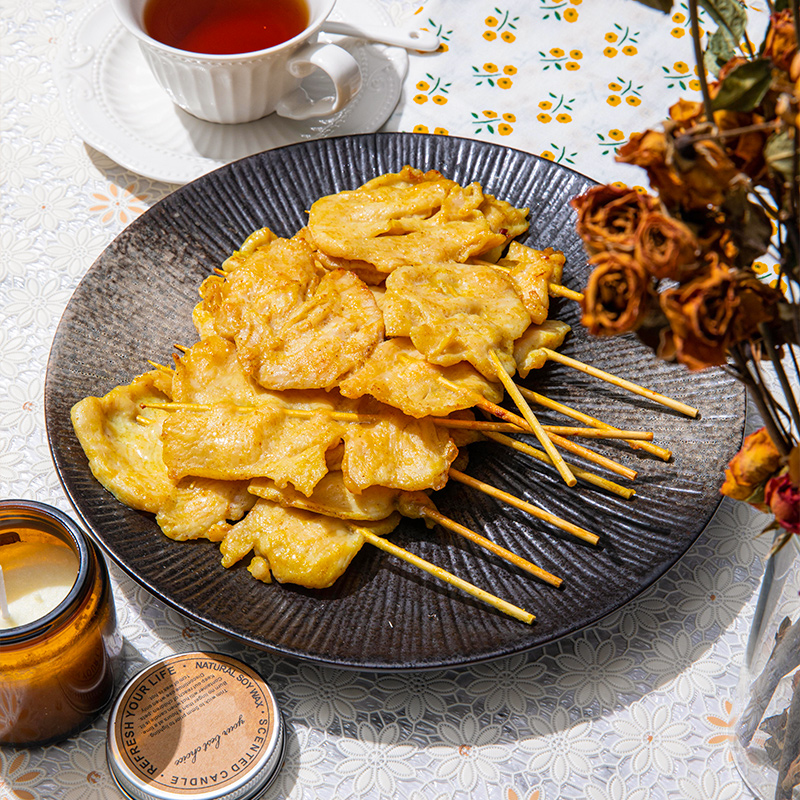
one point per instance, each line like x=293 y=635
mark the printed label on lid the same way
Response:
x=198 y=721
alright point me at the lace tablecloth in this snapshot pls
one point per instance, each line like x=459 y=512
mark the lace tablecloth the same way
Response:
x=635 y=708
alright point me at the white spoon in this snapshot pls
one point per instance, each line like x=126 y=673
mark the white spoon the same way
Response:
x=413 y=39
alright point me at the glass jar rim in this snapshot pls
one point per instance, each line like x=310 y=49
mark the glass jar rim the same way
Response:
x=55 y=523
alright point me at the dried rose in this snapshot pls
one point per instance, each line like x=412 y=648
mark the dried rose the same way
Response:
x=618 y=295
x=650 y=150
x=745 y=149
x=780 y=45
x=783 y=499
x=666 y=247
x=692 y=178
x=714 y=311
x=756 y=462
x=608 y=217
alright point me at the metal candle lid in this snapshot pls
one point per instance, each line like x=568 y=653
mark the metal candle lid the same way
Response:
x=195 y=726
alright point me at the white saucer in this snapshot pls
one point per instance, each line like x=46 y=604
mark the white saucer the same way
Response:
x=114 y=103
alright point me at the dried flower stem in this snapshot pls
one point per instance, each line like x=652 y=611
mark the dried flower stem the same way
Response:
x=757 y=392
x=774 y=357
x=731 y=133
x=779 y=413
x=698 y=55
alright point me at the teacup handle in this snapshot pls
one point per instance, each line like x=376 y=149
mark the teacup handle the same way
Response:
x=341 y=68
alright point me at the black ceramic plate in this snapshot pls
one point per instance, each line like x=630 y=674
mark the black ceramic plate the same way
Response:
x=135 y=302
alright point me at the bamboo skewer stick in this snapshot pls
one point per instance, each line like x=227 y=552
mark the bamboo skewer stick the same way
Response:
x=346 y=416
x=444 y=422
x=489 y=545
x=590 y=455
x=559 y=290
x=533 y=423
x=581 y=474
x=523 y=505
x=598 y=433
x=675 y=405
x=563 y=430
x=444 y=575
x=562 y=442
x=579 y=416
x=159 y=367
x=304 y=413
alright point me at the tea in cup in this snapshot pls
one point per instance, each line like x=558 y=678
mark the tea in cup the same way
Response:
x=234 y=61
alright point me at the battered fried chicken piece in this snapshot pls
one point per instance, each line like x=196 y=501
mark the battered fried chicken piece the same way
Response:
x=227 y=442
x=531 y=272
x=527 y=353
x=210 y=372
x=295 y=545
x=272 y=280
x=257 y=239
x=200 y=508
x=456 y=312
x=332 y=498
x=397 y=374
x=317 y=341
x=124 y=455
x=411 y=217
x=397 y=451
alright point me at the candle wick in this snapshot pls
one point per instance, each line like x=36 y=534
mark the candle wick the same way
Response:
x=4 y=612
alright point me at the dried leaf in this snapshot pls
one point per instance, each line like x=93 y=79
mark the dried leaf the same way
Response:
x=731 y=17
x=744 y=86
x=748 y=225
x=779 y=153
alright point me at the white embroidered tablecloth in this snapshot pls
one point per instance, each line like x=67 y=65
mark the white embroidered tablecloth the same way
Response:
x=635 y=708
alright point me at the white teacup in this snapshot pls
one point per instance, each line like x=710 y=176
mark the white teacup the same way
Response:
x=247 y=86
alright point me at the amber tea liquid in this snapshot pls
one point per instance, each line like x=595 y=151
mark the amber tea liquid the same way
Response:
x=224 y=26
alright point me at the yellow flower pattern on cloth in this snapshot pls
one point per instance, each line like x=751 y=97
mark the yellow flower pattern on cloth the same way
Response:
x=536 y=74
x=431 y=88
x=621 y=40
x=502 y=26
x=493 y=76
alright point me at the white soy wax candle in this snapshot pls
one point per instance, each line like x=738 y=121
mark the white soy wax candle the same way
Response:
x=58 y=638
x=34 y=578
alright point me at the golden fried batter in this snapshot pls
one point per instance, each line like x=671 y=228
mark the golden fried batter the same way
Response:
x=296 y=546
x=456 y=312
x=230 y=443
x=531 y=272
x=397 y=374
x=332 y=498
x=198 y=506
x=316 y=342
x=125 y=455
x=210 y=372
x=412 y=217
x=398 y=452
x=271 y=280
x=527 y=352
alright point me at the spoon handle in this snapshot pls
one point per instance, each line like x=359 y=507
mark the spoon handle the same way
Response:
x=413 y=39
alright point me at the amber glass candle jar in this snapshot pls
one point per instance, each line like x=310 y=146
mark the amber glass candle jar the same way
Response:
x=56 y=671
